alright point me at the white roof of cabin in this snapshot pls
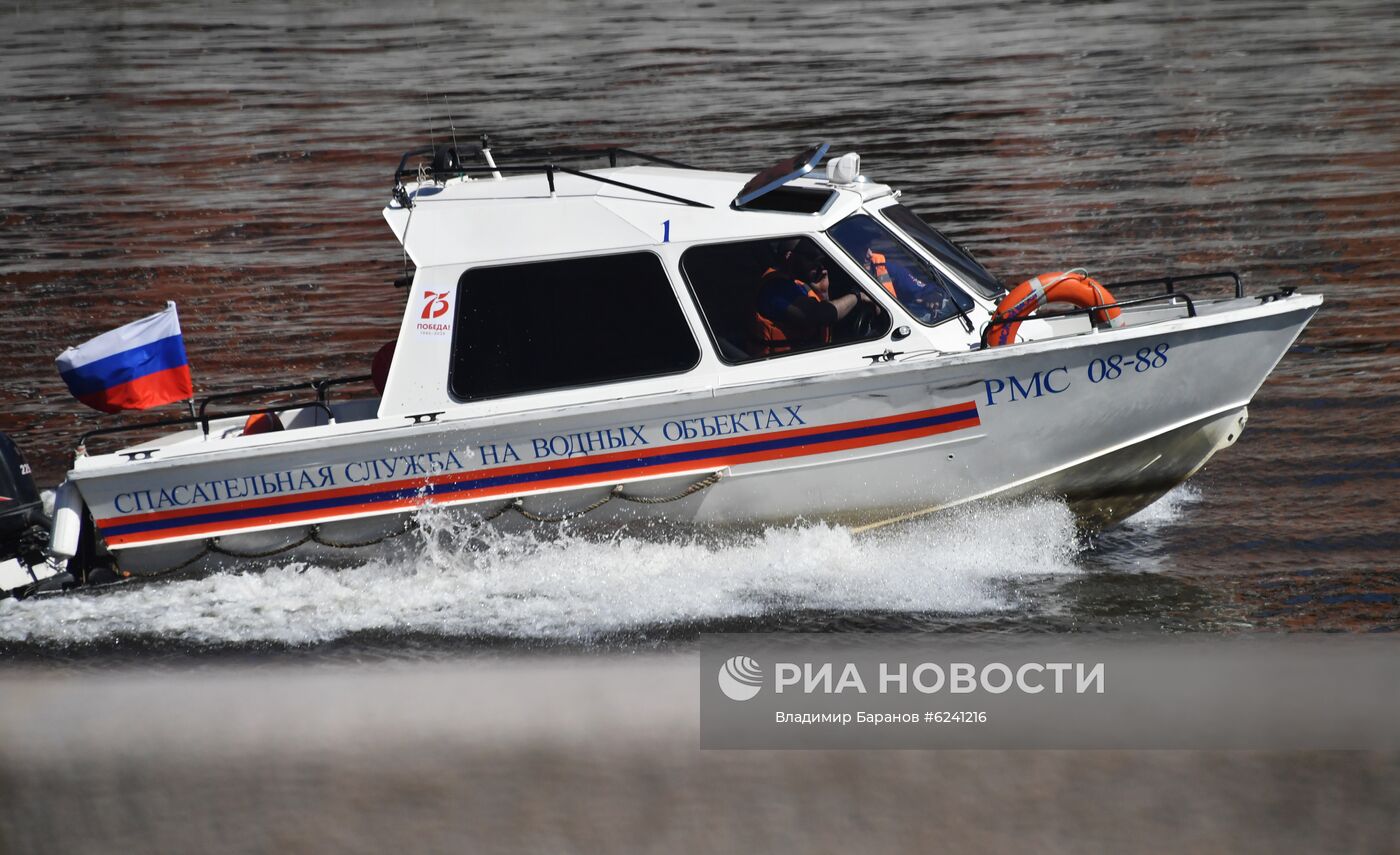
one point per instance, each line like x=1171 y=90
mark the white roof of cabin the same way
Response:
x=485 y=219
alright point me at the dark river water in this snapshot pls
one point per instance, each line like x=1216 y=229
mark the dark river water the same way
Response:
x=235 y=158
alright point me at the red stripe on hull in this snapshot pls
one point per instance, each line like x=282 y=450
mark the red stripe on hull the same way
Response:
x=580 y=481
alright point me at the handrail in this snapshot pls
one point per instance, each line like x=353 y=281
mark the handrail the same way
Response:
x=276 y=408
x=183 y=420
x=1089 y=310
x=611 y=151
x=581 y=174
x=427 y=149
x=325 y=383
x=246 y=393
x=320 y=386
x=549 y=154
x=1171 y=294
x=548 y=168
x=1170 y=281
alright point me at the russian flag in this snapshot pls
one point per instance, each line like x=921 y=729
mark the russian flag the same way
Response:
x=135 y=367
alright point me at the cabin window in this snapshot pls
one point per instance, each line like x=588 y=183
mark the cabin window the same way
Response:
x=559 y=324
x=942 y=248
x=929 y=296
x=772 y=298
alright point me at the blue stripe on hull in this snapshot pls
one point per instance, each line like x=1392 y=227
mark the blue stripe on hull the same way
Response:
x=582 y=468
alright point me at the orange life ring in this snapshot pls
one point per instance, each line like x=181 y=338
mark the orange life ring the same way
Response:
x=1072 y=287
x=264 y=422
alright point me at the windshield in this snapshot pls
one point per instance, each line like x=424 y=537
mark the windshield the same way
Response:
x=928 y=295
x=943 y=249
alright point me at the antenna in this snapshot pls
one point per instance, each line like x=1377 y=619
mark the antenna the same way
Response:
x=427 y=102
x=450 y=126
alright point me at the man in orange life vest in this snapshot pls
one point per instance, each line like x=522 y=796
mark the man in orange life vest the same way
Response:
x=877 y=266
x=794 y=309
x=927 y=302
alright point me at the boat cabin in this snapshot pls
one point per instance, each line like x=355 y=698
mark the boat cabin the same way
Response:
x=539 y=286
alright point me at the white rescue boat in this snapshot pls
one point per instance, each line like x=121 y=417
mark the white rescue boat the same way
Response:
x=656 y=343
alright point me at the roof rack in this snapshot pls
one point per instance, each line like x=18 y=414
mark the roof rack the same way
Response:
x=446 y=162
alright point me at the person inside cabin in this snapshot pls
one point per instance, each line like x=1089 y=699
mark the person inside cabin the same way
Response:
x=927 y=302
x=794 y=310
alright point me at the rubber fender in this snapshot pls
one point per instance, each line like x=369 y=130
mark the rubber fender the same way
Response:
x=67 y=520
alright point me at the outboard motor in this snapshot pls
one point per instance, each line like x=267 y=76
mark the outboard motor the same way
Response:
x=24 y=527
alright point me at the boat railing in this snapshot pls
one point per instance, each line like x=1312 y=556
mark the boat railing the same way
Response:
x=201 y=417
x=446 y=163
x=1171 y=280
x=1171 y=295
x=547 y=154
x=1089 y=311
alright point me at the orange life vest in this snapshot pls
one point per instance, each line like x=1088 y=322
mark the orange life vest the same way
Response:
x=772 y=338
x=881 y=272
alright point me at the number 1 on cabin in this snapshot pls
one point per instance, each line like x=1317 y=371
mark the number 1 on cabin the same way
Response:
x=666 y=231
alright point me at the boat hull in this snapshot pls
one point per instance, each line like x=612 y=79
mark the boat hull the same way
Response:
x=1107 y=421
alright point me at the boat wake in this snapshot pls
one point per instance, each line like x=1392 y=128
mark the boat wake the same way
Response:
x=461 y=582
x=1166 y=510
